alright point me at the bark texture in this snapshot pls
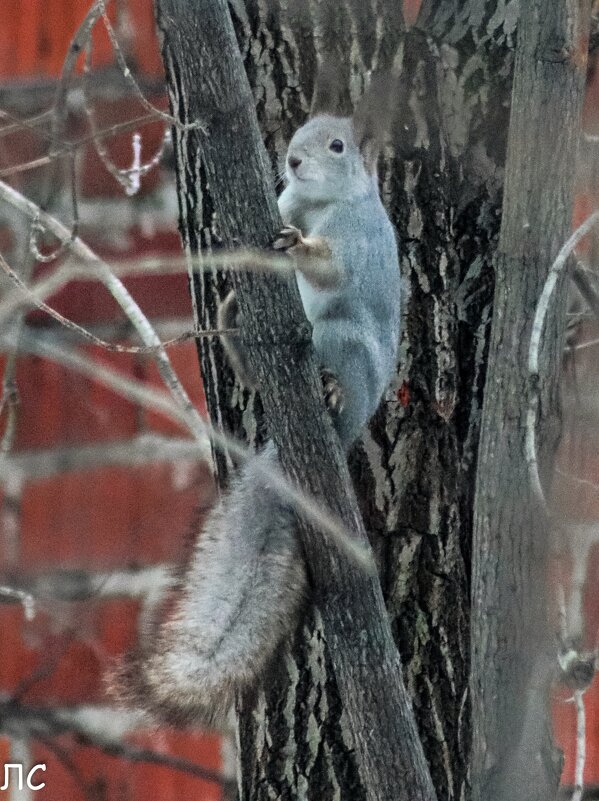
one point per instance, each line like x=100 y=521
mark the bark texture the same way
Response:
x=379 y=727
x=442 y=181
x=512 y=754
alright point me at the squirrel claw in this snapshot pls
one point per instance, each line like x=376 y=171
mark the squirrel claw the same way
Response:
x=333 y=394
x=289 y=237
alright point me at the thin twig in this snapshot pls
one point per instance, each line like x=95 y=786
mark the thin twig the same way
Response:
x=122 y=297
x=9 y=594
x=129 y=178
x=162 y=402
x=591 y=343
x=562 y=614
x=64 y=757
x=580 y=746
x=586 y=289
x=9 y=402
x=120 y=59
x=59 y=115
x=584 y=482
x=102 y=343
x=533 y=353
x=33 y=465
x=81 y=269
x=30 y=124
x=10 y=390
x=42 y=723
x=75 y=144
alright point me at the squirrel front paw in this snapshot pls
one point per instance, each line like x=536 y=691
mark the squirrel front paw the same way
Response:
x=289 y=237
x=313 y=254
x=333 y=394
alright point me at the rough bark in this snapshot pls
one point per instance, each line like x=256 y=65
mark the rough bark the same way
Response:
x=445 y=195
x=512 y=755
x=379 y=725
x=442 y=181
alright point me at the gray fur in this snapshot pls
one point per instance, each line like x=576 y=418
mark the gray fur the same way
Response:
x=241 y=595
x=246 y=579
x=355 y=324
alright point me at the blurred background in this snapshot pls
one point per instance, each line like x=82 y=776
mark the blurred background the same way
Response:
x=92 y=517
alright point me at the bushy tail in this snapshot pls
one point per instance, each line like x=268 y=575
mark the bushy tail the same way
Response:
x=239 y=598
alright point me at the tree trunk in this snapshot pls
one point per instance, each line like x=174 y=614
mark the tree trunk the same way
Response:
x=512 y=752
x=379 y=726
x=442 y=180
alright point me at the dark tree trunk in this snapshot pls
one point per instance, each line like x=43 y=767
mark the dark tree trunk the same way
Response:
x=512 y=750
x=379 y=726
x=414 y=474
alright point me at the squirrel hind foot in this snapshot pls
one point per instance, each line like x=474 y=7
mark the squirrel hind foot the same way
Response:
x=333 y=392
x=229 y=317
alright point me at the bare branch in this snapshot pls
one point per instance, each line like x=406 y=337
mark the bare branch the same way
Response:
x=197 y=124
x=80 y=585
x=42 y=723
x=87 y=335
x=581 y=279
x=163 y=403
x=34 y=465
x=10 y=594
x=31 y=124
x=533 y=353
x=71 y=147
x=129 y=179
x=122 y=297
x=580 y=746
x=9 y=402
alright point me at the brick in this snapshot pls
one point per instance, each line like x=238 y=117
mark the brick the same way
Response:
x=88 y=773
x=201 y=748
x=564 y=723
x=59 y=406
x=63 y=654
x=116 y=779
x=196 y=748
x=158 y=295
x=112 y=517
x=185 y=364
x=35 y=35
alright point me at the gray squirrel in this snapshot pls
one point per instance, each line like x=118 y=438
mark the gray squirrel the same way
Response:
x=246 y=581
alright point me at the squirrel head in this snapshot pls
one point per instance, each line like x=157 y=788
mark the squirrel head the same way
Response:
x=325 y=161
x=334 y=157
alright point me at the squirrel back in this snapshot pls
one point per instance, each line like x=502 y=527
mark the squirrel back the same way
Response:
x=332 y=195
x=246 y=581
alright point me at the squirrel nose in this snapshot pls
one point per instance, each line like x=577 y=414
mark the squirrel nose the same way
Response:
x=294 y=162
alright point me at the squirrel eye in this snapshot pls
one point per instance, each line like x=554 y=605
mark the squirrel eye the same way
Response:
x=336 y=146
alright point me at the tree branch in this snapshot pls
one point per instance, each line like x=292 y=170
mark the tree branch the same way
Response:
x=42 y=723
x=509 y=632
x=200 y=41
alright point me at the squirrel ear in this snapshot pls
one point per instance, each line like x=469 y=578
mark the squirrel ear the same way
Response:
x=373 y=117
x=331 y=91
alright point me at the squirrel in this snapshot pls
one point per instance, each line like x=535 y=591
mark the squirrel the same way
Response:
x=246 y=581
